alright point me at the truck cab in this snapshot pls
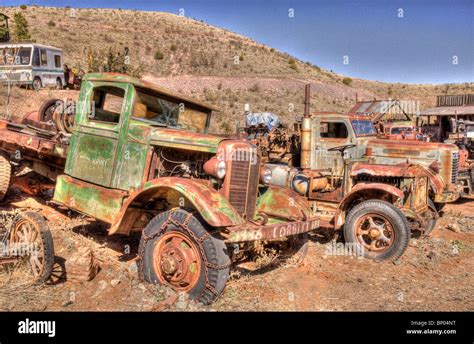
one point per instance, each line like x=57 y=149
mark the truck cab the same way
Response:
x=333 y=129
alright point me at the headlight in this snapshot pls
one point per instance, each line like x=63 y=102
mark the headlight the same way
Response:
x=215 y=167
x=266 y=175
x=220 y=172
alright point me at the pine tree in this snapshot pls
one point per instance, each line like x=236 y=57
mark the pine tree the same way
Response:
x=21 y=28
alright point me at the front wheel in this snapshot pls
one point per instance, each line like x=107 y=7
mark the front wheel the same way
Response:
x=431 y=224
x=379 y=230
x=37 y=84
x=177 y=250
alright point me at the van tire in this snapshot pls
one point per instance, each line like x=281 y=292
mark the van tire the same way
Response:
x=59 y=84
x=37 y=84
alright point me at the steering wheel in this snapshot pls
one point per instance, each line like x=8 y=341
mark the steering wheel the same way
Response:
x=341 y=148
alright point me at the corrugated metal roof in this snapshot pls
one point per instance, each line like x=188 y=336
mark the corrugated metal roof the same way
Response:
x=449 y=111
x=376 y=109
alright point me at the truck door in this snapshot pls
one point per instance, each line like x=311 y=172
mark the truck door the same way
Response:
x=102 y=113
x=333 y=133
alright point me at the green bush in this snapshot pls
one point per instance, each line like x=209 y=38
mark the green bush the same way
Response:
x=23 y=7
x=159 y=55
x=173 y=47
x=347 y=81
x=51 y=23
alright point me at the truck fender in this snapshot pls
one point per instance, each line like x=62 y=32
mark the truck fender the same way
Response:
x=213 y=207
x=365 y=190
x=283 y=203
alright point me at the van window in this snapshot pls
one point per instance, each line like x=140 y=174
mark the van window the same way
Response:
x=107 y=104
x=19 y=56
x=334 y=130
x=44 y=58
x=57 y=61
x=36 y=57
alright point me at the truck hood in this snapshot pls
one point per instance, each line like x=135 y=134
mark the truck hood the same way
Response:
x=390 y=152
x=185 y=140
x=411 y=149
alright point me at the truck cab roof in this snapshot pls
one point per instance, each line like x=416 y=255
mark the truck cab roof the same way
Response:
x=117 y=77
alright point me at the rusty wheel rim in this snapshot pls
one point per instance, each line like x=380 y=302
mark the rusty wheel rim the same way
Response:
x=375 y=232
x=26 y=236
x=177 y=261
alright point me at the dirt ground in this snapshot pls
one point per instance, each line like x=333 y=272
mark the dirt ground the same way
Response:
x=436 y=272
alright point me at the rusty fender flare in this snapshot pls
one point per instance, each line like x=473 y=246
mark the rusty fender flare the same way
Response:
x=213 y=207
x=283 y=203
x=360 y=189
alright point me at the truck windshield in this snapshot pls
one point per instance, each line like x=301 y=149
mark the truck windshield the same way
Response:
x=363 y=127
x=15 y=56
x=152 y=107
x=399 y=130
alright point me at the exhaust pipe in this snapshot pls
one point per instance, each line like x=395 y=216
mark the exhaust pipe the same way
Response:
x=306 y=130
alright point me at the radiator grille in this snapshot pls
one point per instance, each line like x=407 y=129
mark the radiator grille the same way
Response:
x=244 y=178
x=455 y=167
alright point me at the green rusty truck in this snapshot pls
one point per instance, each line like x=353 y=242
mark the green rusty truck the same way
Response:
x=140 y=158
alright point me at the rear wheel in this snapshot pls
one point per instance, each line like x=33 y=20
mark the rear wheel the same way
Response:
x=177 y=250
x=5 y=176
x=379 y=230
x=59 y=84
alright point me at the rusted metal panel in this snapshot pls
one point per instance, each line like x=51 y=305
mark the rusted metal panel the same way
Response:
x=251 y=232
x=283 y=203
x=214 y=208
x=99 y=202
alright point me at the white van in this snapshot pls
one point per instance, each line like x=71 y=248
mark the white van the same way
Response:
x=33 y=65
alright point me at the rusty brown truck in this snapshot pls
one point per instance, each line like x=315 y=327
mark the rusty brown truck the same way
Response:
x=376 y=190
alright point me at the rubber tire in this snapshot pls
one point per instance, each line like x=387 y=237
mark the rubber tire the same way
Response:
x=394 y=215
x=45 y=106
x=431 y=225
x=36 y=88
x=215 y=250
x=47 y=240
x=5 y=176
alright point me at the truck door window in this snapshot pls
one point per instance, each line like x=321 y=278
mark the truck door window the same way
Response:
x=334 y=130
x=44 y=57
x=107 y=104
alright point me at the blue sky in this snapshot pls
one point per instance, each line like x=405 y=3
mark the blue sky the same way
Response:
x=378 y=41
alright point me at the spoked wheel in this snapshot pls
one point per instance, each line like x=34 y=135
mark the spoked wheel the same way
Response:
x=379 y=230
x=33 y=242
x=176 y=249
x=375 y=232
x=177 y=261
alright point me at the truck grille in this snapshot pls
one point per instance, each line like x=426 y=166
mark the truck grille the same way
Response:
x=455 y=167
x=243 y=185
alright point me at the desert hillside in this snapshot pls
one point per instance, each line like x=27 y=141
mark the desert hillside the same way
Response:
x=213 y=64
